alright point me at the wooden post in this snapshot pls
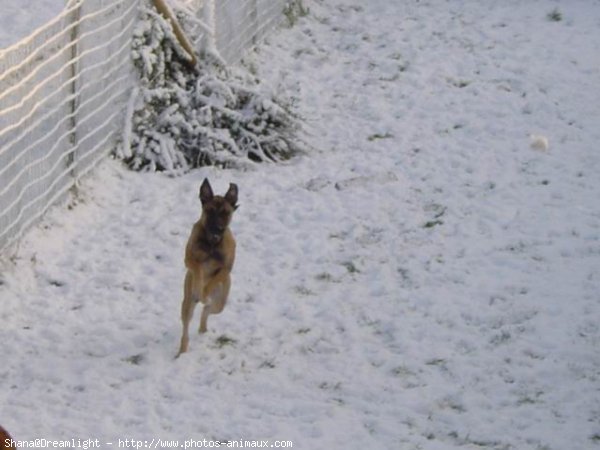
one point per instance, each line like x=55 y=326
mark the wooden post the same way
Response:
x=163 y=8
x=73 y=73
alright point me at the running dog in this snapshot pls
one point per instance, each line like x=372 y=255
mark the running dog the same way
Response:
x=209 y=257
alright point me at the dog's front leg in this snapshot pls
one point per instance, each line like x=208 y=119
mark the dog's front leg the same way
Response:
x=192 y=291
x=216 y=293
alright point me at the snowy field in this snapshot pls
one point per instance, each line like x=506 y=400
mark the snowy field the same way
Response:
x=423 y=279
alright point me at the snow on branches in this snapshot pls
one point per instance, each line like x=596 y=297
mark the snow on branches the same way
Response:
x=179 y=118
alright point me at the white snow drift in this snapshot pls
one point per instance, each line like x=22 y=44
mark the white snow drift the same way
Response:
x=423 y=279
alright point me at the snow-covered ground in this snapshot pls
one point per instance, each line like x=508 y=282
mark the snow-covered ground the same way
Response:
x=423 y=279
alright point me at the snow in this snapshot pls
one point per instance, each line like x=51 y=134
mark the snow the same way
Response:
x=422 y=279
x=20 y=18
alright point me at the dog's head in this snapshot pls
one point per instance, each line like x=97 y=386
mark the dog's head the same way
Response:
x=217 y=211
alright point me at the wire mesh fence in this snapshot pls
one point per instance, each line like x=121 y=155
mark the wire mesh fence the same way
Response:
x=61 y=96
x=240 y=24
x=64 y=92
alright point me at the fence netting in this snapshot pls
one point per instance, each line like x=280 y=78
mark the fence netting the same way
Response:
x=64 y=92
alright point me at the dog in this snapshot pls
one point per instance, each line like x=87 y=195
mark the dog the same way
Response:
x=209 y=258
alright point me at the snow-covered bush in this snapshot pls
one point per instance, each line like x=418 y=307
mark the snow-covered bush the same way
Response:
x=181 y=118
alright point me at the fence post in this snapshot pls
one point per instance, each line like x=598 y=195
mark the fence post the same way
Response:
x=73 y=73
x=210 y=20
x=254 y=19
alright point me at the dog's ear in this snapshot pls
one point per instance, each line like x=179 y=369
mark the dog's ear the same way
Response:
x=232 y=195
x=206 y=192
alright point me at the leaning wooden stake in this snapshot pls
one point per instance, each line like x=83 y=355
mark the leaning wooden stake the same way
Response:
x=163 y=8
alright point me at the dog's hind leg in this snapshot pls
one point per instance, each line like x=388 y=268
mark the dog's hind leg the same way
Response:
x=218 y=298
x=187 y=311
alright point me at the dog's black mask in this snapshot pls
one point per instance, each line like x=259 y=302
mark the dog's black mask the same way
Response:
x=217 y=211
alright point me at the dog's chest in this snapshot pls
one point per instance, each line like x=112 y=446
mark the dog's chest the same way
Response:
x=212 y=253
x=213 y=264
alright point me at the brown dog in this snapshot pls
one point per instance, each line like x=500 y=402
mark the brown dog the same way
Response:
x=209 y=257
